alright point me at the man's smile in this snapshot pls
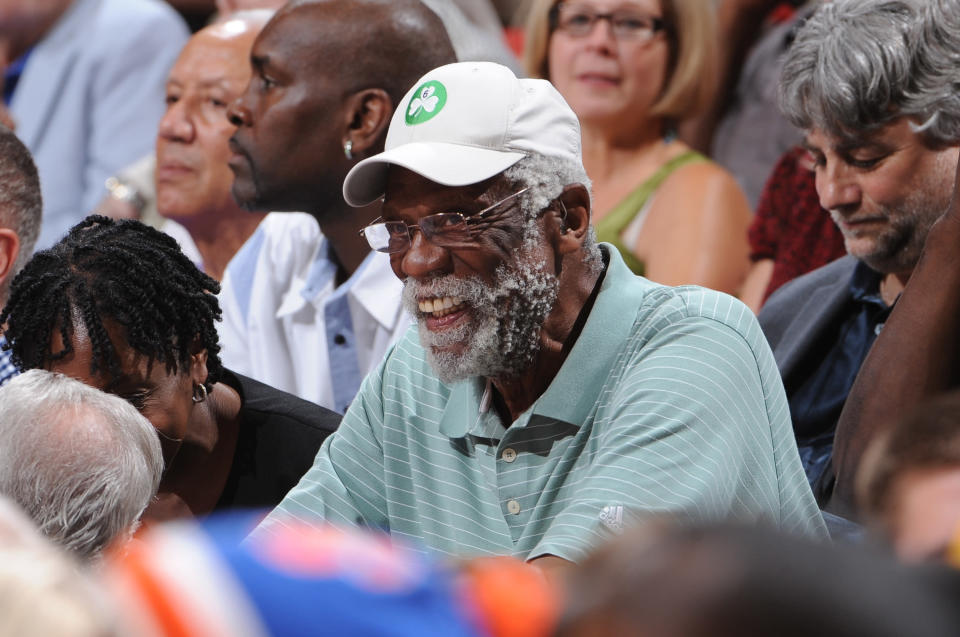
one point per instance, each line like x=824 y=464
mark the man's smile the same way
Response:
x=441 y=306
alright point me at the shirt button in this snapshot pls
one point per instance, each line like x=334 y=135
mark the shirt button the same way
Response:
x=513 y=507
x=878 y=328
x=339 y=339
x=509 y=455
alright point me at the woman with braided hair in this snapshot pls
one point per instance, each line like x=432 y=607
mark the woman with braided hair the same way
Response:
x=117 y=305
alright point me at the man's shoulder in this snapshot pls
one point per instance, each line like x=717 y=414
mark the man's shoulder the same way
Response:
x=799 y=311
x=137 y=14
x=282 y=245
x=120 y=31
x=794 y=294
x=665 y=305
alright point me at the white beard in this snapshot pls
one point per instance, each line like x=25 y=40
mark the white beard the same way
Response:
x=502 y=335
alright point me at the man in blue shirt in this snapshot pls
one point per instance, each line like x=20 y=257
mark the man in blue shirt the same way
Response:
x=883 y=178
x=20 y=210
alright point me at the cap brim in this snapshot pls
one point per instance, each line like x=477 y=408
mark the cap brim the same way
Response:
x=444 y=163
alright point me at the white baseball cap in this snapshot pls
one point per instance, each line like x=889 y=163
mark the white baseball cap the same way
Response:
x=465 y=122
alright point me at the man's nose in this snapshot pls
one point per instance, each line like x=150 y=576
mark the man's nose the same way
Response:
x=836 y=189
x=176 y=124
x=423 y=258
x=238 y=112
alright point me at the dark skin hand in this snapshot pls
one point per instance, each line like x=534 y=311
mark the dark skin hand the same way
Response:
x=916 y=355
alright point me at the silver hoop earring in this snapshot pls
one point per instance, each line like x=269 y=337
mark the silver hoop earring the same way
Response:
x=199 y=393
x=348 y=148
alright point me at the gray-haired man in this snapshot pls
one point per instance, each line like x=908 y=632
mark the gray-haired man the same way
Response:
x=82 y=463
x=846 y=82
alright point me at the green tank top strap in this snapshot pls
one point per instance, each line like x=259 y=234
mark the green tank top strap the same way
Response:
x=616 y=221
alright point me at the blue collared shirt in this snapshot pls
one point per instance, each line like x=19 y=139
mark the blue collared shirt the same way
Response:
x=817 y=403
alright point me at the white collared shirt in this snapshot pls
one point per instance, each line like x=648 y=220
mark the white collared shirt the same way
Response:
x=285 y=323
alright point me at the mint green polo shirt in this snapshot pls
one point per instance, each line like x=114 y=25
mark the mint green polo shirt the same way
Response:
x=668 y=402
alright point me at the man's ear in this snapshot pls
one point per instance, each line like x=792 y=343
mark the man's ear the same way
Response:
x=573 y=218
x=368 y=114
x=9 y=249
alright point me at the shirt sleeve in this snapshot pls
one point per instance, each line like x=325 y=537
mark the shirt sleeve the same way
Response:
x=687 y=433
x=345 y=485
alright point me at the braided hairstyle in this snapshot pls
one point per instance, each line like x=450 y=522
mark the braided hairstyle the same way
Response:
x=124 y=272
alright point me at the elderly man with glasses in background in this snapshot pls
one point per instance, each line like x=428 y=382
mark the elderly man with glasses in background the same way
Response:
x=550 y=395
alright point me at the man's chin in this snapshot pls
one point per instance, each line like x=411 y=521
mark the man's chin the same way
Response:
x=448 y=367
x=245 y=194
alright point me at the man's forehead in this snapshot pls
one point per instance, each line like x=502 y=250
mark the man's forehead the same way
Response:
x=296 y=28
x=210 y=60
x=895 y=133
x=818 y=139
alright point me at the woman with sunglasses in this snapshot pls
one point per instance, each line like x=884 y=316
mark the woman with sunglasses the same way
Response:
x=117 y=305
x=632 y=70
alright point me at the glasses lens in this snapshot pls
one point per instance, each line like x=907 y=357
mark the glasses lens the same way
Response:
x=575 y=20
x=388 y=236
x=446 y=229
x=631 y=25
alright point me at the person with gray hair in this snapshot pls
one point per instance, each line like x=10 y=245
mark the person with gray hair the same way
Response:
x=548 y=395
x=848 y=82
x=21 y=209
x=82 y=463
x=937 y=73
x=917 y=356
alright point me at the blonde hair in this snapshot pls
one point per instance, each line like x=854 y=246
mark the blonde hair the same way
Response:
x=692 y=40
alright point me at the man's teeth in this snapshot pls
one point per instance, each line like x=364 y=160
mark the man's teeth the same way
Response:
x=441 y=307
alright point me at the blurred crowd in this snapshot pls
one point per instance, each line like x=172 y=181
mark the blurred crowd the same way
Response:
x=483 y=317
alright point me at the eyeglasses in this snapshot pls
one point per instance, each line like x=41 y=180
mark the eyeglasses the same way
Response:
x=445 y=229
x=578 y=20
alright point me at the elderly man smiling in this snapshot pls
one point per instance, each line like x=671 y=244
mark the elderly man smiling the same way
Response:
x=550 y=396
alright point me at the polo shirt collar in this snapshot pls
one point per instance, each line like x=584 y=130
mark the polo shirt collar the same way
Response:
x=575 y=391
x=468 y=403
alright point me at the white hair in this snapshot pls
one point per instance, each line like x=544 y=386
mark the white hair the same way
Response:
x=849 y=70
x=82 y=463
x=546 y=177
x=936 y=76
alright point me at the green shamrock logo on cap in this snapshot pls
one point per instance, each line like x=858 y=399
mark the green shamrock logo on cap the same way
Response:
x=427 y=101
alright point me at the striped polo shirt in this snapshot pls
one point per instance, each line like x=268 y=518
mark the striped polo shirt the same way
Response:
x=668 y=402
